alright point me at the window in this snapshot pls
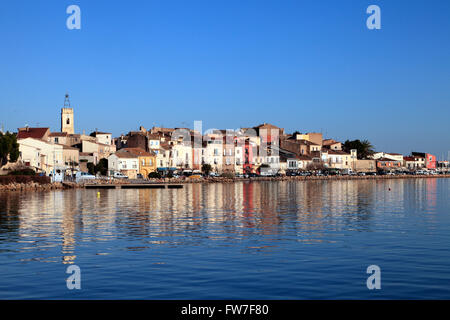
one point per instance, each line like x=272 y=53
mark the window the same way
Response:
x=68 y=121
x=143 y=162
x=56 y=140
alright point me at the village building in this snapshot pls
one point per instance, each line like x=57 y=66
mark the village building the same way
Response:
x=338 y=159
x=41 y=155
x=430 y=160
x=386 y=164
x=146 y=160
x=125 y=162
x=393 y=156
x=331 y=144
x=366 y=165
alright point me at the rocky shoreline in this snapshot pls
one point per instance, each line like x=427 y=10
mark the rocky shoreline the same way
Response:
x=33 y=186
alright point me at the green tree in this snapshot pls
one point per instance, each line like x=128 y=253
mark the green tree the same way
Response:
x=206 y=168
x=154 y=175
x=102 y=167
x=91 y=168
x=364 y=148
x=9 y=148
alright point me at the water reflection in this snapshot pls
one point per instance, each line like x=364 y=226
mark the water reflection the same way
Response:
x=203 y=212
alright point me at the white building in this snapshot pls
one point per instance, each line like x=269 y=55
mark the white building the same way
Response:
x=125 y=162
x=41 y=155
x=391 y=156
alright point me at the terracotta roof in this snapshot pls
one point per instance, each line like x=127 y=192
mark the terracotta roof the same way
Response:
x=386 y=159
x=133 y=152
x=409 y=158
x=58 y=134
x=338 y=152
x=304 y=157
x=267 y=125
x=153 y=136
x=329 y=142
x=37 y=133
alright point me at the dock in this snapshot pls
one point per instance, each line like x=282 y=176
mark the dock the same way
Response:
x=133 y=186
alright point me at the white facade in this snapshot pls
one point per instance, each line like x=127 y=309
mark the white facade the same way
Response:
x=104 y=138
x=391 y=156
x=212 y=154
x=181 y=156
x=41 y=155
x=122 y=164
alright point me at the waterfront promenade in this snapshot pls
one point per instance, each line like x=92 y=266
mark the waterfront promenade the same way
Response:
x=174 y=183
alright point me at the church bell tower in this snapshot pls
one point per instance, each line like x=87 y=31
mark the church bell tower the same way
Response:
x=67 y=117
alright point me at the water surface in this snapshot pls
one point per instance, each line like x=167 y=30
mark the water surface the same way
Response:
x=260 y=240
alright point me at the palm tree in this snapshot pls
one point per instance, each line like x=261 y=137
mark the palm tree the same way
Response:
x=364 y=148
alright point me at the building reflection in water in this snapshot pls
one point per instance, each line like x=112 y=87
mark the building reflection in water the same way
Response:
x=206 y=212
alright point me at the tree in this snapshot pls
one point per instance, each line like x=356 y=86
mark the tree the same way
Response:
x=315 y=166
x=364 y=148
x=91 y=168
x=9 y=148
x=206 y=168
x=154 y=175
x=102 y=167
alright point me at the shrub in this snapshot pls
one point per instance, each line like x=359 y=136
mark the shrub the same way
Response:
x=154 y=175
x=227 y=175
x=23 y=172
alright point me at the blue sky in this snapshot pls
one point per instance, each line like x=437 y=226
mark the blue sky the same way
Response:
x=301 y=65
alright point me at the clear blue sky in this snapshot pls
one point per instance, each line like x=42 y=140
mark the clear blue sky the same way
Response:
x=302 y=65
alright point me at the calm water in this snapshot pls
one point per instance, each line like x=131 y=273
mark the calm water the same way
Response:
x=267 y=240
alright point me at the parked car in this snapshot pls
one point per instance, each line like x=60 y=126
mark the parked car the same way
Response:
x=83 y=176
x=119 y=175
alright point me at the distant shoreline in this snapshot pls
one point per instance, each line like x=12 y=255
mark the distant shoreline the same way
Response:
x=27 y=187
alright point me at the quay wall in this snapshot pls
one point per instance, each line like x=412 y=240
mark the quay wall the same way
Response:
x=35 y=186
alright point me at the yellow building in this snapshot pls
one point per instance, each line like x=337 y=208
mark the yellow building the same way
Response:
x=146 y=160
